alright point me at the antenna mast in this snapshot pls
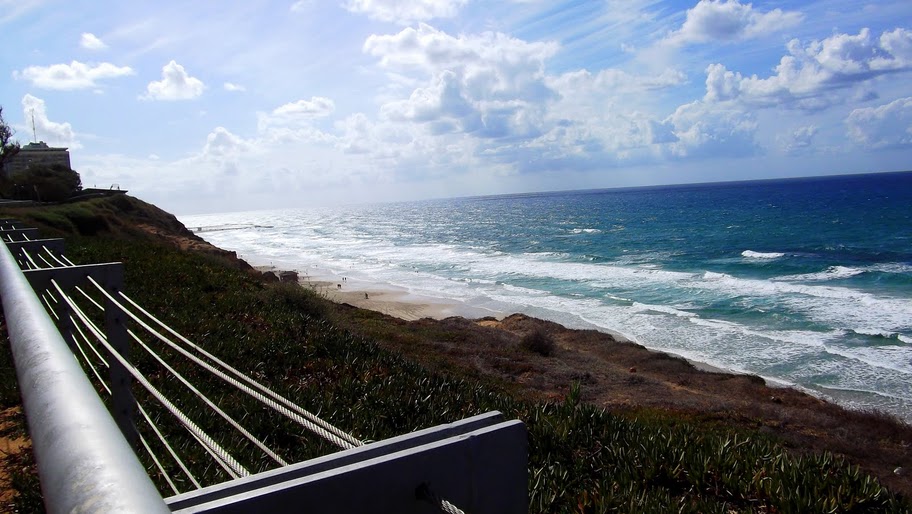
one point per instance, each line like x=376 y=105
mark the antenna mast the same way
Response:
x=34 y=132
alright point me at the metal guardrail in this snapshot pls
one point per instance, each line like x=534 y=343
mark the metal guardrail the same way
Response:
x=84 y=462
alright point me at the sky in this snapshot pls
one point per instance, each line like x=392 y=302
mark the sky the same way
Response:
x=240 y=105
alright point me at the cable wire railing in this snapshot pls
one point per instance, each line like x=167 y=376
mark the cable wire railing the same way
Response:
x=221 y=456
x=94 y=352
x=190 y=407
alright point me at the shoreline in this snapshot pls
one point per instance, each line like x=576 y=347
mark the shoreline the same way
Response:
x=388 y=299
x=398 y=302
x=618 y=377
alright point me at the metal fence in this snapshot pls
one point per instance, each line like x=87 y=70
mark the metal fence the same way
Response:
x=85 y=453
x=84 y=462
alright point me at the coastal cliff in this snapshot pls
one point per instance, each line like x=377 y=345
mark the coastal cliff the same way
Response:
x=574 y=388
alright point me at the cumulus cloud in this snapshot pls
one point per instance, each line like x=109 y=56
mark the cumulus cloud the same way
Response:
x=614 y=81
x=712 y=130
x=799 y=140
x=75 y=75
x=405 y=11
x=806 y=77
x=90 y=41
x=222 y=143
x=730 y=20
x=316 y=107
x=223 y=150
x=234 y=87
x=52 y=132
x=443 y=98
x=489 y=95
x=289 y=120
x=490 y=84
x=885 y=126
x=176 y=84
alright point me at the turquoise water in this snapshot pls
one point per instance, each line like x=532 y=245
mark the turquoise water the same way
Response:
x=803 y=281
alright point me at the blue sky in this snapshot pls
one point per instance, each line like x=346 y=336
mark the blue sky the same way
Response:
x=224 y=106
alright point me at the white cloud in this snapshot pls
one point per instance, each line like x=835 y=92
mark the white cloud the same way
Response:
x=90 y=41
x=810 y=75
x=75 y=75
x=432 y=50
x=713 y=130
x=300 y=5
x=886 y=126
x=614 y=81
x=52 y=132
x=442 y=98
x=294 y=119
x=730 y=20
x=316 y=107
x=489 y=96
x=405 y=11
x=176 y=84
x=234 y=87
x=799 y=140
x=222 y=143
x=490 y=85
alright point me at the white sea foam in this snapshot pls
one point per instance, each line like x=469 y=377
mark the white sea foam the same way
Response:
x=831 y=273
x=892 y=267
x=889 y=336
x=862 y=390
x=642 y=307
x=585 y=231
x=645 y=304
x=750 y=254
x=893 y=358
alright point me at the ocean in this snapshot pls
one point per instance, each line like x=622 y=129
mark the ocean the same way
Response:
x=805 y=282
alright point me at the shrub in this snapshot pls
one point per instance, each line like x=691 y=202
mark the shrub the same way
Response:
x=540 y=342
x=46 y=183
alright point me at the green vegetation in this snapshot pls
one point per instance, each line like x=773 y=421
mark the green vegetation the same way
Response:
x=54 y=183
x=8 y=147
x=582 y=459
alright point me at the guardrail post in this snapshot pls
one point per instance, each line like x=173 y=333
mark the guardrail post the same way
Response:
x=84 y=462
x=123 y=404
x=109 y=276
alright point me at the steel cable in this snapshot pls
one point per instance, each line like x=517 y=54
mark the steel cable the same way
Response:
x=222 y=455
x=53 y=256
x=158 y=464
x=168 y=447
x=231 y=421
x=301 y=416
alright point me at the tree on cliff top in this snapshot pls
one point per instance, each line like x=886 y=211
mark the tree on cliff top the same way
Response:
x=53 y=183
x=8 y=147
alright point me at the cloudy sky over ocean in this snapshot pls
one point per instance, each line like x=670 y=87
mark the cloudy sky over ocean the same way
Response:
x=218 y=106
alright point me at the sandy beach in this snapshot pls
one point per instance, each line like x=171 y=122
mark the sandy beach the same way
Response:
x=400 y=303
x=386 y=298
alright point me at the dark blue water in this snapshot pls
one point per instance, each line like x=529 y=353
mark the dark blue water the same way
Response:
x=806 y=281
